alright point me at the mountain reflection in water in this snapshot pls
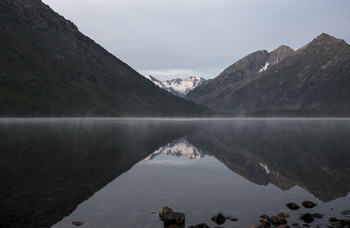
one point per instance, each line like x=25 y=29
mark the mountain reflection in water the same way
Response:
x=50 y=167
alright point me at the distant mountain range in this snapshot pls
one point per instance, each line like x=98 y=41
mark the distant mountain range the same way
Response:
x=49 y=68
x=178 y=87
x=314 y=80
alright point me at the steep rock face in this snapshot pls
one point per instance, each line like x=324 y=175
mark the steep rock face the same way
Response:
x=179 y=87
x=314 y=80
x=210 y=93
x=49 y=68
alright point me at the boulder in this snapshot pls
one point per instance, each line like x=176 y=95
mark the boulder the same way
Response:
x=169 y=217
x=308 y=204
x=308 y=218
x=218 y=218
x=292 y=206
x=277 y=220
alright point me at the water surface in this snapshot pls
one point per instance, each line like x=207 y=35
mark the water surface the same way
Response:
x=120 y=172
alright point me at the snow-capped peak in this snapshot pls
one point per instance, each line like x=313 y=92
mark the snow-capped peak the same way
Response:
x=179 y=147
x=178 y=87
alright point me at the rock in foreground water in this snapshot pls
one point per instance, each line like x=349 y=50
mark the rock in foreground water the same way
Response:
x=169 y=217
x=292 y=206
x=202 y=225
x=308 y=218
x=77 y=223
x=308 y=204
x=218 y=218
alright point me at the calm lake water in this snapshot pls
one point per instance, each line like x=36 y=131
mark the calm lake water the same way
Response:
x=122 y=172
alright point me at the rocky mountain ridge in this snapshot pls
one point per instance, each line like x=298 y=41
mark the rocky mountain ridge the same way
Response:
x=312 y=80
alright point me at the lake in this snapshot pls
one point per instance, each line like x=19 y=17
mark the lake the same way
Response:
x=121 y=172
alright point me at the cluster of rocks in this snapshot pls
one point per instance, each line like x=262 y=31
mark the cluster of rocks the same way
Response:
x=280 y=221
x=173 y=219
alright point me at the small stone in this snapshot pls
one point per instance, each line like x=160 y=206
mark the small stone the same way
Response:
x=308 y=204
x=257 y=226
x=308 y=218
x=284 y=215
x=202 y=225
x=77 y=223
x=174 y=226
x=276 y=220
x=295 y=224
x=344 y=222
x=264 y=218
x=318 y=215
x=333 y=219
x=283 y=226
x=231 y=218
x=218 y=218
x=292 y=206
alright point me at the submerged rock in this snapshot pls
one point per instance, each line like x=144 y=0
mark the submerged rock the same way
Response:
x=332 y=219
x=283 y=226
x=77 y=223
x=277 y=220
x=202 y=225
x=284 y=215
x=344 y=222
x=292 y=206
x=231 y=218
x=308 y=218
x=218 y=218
x=308 y=204
x=318 y=215
x=258 y=226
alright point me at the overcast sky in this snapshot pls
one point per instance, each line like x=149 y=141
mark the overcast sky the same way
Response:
x=169 y=39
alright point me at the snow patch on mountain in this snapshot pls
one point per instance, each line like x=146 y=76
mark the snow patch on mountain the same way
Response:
x=178 y=87
x=178 y=148
x=265 y=167
x=264 y=67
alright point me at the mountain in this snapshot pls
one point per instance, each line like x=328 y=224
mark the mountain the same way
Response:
x=179 y=147
x=49 y=68
x=178 y=87
x=313 y=156
x=313 y=80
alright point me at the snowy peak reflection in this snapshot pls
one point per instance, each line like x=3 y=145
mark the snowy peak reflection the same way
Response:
x=179 y=147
